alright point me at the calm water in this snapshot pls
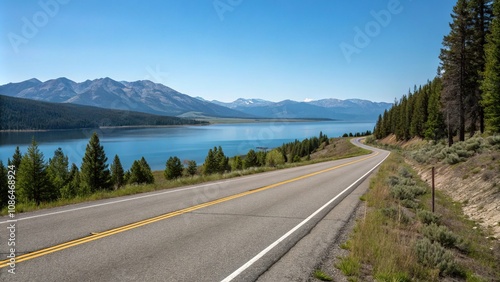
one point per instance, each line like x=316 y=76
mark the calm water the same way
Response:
x=185 y=142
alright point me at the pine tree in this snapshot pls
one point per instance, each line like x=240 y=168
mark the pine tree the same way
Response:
x=33 y=182
x=146 y=169
x=72 y=187
x=222 y=161
x=211 y=165
x=136 y=175
x=192 y=168
x=491 y=83
x=434 y=126
x=237 y=163
x=250 y=159
x=457 y=61
x=57 y=170
x=94 y=171
x=173 y=168
x=140 y=172
x=117 y=174
x=4 y=186
x=16 y=158
x=481 y=14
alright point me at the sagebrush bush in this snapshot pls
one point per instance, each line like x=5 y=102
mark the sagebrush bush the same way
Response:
x=394 y=214
x=434 y=255
x=427 y=217
x=404 y=172
x=494 y=140
x=409 y=204
x=440 y=234
x=453 y=158
x=406 y=192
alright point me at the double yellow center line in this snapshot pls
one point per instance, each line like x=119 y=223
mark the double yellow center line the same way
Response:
x=96 y=236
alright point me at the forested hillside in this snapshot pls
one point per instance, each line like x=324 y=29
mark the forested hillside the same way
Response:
x=465 y=95
x=24 y=114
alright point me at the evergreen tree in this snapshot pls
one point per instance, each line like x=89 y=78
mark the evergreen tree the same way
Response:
x=4 y=186
x=434 y=126
x=94 y=171
x=377 y=131
x=222 y=161
x=491 y=83
x=32 y=180
x=57 y=171
x=481 y=14
x=250 y=159
x=210 y=165
x=117 y=174
x=457 y=60
x=147 y=171
x=173 y=168
x=237 y=163
x=192 y=168
x=72 y=187
x=16 y=158
x=136 y=174
x=140 y=172
x=261 y=157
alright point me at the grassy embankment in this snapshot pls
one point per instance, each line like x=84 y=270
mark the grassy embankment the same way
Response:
x=339 y=148
x=399 y=239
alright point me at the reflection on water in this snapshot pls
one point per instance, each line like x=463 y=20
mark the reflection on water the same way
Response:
x=185 y=142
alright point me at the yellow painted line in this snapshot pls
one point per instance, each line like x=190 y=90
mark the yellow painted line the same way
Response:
x=100 y=235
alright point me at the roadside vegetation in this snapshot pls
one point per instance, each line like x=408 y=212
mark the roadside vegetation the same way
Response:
x=400 y=239
x=41 y=184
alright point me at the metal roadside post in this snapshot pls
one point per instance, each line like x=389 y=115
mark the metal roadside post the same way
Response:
x=433 y=189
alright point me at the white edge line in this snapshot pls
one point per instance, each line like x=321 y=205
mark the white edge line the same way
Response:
x=270 y=247
x=114 y=202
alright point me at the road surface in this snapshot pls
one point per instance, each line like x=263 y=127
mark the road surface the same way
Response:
x=232 y=230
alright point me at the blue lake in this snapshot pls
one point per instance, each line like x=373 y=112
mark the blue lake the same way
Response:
x=185 y=142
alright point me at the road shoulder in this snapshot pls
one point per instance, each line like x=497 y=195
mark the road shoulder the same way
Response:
x=320 y=248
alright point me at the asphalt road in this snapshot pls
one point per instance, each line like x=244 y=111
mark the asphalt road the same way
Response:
x=233 y=230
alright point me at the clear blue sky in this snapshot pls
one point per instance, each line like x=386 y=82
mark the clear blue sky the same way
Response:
x=227 y=49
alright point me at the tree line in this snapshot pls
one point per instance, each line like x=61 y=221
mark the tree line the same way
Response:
x=25 y=114
x=39 y=181
x=465 y=95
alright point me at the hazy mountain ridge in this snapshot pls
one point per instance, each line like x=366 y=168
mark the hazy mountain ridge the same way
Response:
x=142 y=96
x=350 y=109
x=154 y=98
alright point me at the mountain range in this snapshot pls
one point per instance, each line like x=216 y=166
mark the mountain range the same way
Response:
x=154 y=98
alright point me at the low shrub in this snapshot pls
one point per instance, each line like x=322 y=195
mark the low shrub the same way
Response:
x=404 y=172
x=440 y=234
x=434 y=255
x=406 y=192
x=493 y=140
x=452 y=159
x=427 y=217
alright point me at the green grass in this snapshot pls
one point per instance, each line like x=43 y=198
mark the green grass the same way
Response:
x=349 y=266
x=344 y=149
x=318 y=274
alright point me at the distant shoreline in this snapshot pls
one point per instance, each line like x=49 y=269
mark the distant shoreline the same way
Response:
x=210 y=121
